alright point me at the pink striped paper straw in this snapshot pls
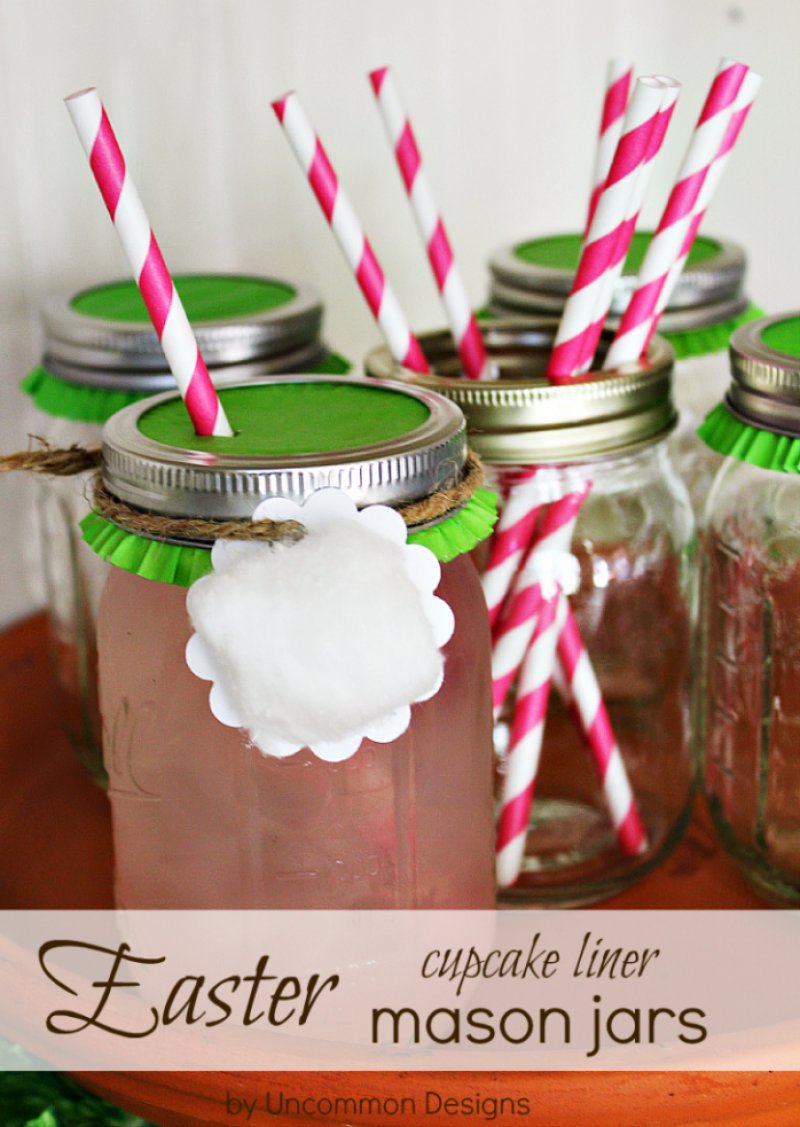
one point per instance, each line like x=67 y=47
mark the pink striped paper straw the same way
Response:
x=429 y=222
x=510 y=541
x=618 y=84
x=608 y=238
x=516 y=624
x=525 y=745
x=671 y=90
x=337 y=209
x=587 y=701
x=557 y=635
x=741 y=108
x=665 y=246
x=523 y=617
x=149 y=269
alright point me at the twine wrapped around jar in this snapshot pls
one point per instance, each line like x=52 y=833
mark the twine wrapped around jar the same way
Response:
x=75 y=459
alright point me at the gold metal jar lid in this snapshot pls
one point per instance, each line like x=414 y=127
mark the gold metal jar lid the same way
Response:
x=520 y=417
x=765 y=370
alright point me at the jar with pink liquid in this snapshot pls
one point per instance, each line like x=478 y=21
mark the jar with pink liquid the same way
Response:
x=210 y=814
x=590 y=800
x=100 y=354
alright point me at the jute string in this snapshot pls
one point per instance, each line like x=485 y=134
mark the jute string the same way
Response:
x=77 y=459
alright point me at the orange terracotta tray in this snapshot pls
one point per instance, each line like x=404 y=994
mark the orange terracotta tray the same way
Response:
x=55 y=839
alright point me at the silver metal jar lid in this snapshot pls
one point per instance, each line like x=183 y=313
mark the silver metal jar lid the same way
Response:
x=128 y=354
x=185 y=482
x=506 y=301
x=520 y=417
x=765 y=383
x=296 y=360
x=717 y=278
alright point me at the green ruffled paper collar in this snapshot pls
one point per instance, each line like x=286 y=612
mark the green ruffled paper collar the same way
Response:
x=729 y=435
x=66 y=400
x=713 y=338
x=56 y=396
x=181 y=565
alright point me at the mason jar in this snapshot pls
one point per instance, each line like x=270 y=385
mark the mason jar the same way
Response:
x=204 y=815
x=706 y=306
x=628 y=568
x=749 y=697
x=100 y=354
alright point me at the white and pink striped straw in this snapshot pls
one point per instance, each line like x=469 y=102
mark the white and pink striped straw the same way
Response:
x=525 y=623
x=463 y=324
x=149 y=269
x=615 y=101
x=516 y=623
x=637 y=323
x=527 y=733
x=529 y=629
x=587 y=702
x=509 y=543
x=556 y=644
x=338 y=211
x=609 y=236
x=671 y=90
x=741 y=107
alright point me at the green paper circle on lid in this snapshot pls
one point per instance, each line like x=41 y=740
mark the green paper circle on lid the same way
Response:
x=783 y=336
x=206 y=297
x=293 y=418
x=560 y=252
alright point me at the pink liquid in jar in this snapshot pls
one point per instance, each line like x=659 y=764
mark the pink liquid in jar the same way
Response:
x=203 y=820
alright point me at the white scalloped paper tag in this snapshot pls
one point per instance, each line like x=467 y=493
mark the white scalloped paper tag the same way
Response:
x=323 y=642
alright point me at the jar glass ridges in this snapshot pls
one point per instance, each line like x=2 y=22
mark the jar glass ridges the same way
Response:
x=533 y=277
x=100 y=354
x=201 y=818
x=749 y=697
x=633 y=593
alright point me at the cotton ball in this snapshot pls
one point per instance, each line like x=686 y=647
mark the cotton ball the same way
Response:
x=315 y=640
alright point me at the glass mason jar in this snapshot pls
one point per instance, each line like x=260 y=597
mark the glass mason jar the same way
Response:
x=630 y=568
x=749 y=697
x=707 y=304
x=101 y=354
x=202 y=819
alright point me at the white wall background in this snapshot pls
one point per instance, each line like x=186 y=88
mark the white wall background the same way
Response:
x=505 y=98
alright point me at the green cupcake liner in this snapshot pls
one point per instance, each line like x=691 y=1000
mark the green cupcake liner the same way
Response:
x=713 y=338
x=178 y=564
x=181 y=565
x=56 y=396
x=65 y=400
x=332 y=365
x=729 y=435
x=461 y=532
